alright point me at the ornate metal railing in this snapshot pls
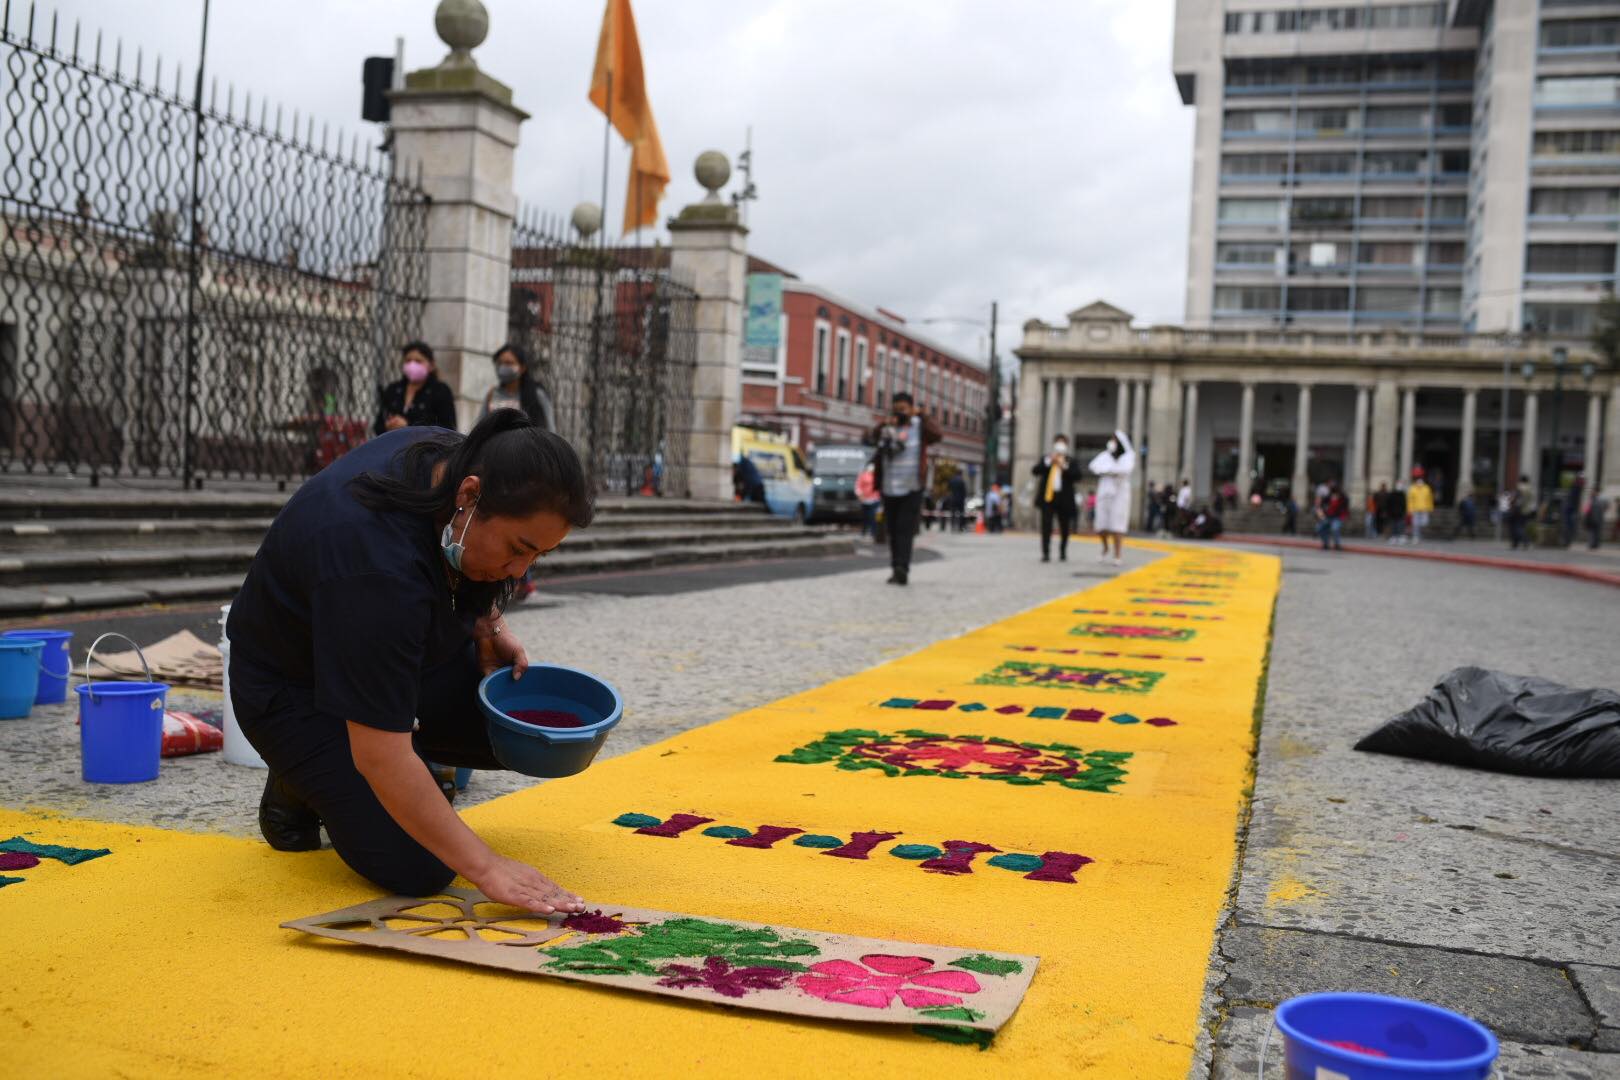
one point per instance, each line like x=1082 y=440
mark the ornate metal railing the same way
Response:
x=189 y=287
x=614 y=344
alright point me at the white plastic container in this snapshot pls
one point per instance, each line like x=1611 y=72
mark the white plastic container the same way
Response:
x=238 y=751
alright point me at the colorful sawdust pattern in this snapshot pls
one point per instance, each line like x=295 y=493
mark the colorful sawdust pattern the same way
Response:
x=1061 y=677
x=964 y=757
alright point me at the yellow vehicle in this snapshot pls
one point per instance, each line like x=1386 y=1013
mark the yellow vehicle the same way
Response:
x=773 y=472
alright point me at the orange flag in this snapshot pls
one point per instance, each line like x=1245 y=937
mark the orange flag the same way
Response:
x=618 y=64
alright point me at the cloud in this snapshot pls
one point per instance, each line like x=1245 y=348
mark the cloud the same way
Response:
x=927 y=156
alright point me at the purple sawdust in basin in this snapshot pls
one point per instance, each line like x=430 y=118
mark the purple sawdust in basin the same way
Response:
x=547 y=717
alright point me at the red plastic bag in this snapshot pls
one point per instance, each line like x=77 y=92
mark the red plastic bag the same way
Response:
x=185 y=734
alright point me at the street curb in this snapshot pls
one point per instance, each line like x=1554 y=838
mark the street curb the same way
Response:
x=1580 y=573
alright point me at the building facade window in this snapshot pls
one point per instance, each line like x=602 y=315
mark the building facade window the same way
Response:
x=1574 y=203
x=1583 y=259
x=1576 y=320
x=1577 y=143
x=880 y=393
x=1577 y=92
x=1247 y=298
x=1387 y=301
x=1580 y=34
x=843 y=364
x=863 y=371
x=1256 y=212
x=822 y=333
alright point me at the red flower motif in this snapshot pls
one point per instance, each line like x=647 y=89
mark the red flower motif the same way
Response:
x=883 y=978
x=718 y=975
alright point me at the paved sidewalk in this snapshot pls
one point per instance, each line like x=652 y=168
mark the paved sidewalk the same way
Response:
x=1488 y=893
x=1601 y=566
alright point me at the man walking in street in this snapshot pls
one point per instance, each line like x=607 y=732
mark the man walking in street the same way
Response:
x=1332 y=509
x=1395 y=514
x=902 y=440
x=1056 y=477
x=1419 y=503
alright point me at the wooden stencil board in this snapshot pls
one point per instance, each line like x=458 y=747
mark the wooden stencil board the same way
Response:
x=750 y=965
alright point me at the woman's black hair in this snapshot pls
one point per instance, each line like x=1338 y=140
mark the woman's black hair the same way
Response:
x=417 y=346
x=522 y=469
x=528 y=393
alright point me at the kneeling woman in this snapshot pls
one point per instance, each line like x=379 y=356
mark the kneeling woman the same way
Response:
x=359 y=637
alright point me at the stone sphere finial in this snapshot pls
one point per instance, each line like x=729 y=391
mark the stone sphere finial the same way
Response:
x=712 y=170
x=587 y=218
x=463 y=25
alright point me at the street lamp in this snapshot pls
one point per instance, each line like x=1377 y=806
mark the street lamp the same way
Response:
x=992 y=420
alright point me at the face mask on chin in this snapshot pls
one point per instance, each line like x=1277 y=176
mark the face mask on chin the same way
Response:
x=508 y=373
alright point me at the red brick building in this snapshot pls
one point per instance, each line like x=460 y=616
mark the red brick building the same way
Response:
x=839 y=363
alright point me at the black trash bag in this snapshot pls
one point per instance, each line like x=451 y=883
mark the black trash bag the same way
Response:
x=1508 y=723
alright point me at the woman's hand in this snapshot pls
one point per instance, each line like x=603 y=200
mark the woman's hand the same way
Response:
x=395 y=422
x=497 y=647
x=507 y=881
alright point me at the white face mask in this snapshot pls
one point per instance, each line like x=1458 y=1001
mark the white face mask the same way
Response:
x=1060 y=448
x=1113 y=445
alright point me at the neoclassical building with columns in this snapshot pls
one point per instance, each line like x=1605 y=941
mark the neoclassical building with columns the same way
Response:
x=1268 y=408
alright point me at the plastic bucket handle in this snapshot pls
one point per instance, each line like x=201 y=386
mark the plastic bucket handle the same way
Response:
x=23 y=636
x=1265 y=1044
x=92 y=686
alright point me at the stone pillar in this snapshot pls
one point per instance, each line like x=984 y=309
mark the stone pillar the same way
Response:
x=1163 y=431
x=459 y=127
x=1246 y=443
x=1355 y=473
x=1066 y=414
x=1610 y=465
x=1122 y=404
x=1049 y=422
x=1465 y=455
x=1408 y=434
x=1138 y=408
x=1529 y=459
x=1594 y=426
x=1189 y=436
x=709 y=251
x=1026 y=449
x=1301 y=483
x=1381 y=455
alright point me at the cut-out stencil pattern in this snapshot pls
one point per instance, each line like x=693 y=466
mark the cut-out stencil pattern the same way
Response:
x=1133 y=632
x=1059 y=677
x=966 y=757
x=771 y=968
x=1111 y=653
x=949 y=857
x=1034 y=712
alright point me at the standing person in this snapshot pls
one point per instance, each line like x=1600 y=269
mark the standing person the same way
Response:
x=1467 y=515
x=1155 y=512
x=1290 y=509
x=992 y=508
x=1574 y=503
x=515 y=387
x=866 y=491
x=1056 y=477
x=958 y=496
x=1113 y=468
x=1518 y=512
x=1594 y=519
x=1419 y=503
x=367 y=621
x=417 y=398
x=903 y=439
x=1331 y=511
x=1395 y=511
x=1184 y=497
x=1375 y=512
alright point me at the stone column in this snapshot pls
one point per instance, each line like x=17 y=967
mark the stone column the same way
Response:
x=1381 y=455
x=1026 y=449
x=1408 y=434
x=1054 y=402
x=1301 y=483
x=1465 y=456
x=709 y=251
x=1246 y=443
x=1138 y=409
x=1610 y=465
x=1066 y=414
x=1163 y=431
x=1122 y=404
x=459 y=127
x=1529 y=459
x=1189 y=436
x=1355 y=473
x=1594 y=425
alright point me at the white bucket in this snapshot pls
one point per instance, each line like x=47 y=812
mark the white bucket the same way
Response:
x=238 y=751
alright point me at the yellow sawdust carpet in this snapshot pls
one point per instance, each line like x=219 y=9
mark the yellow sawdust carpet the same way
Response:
x=1124 y=714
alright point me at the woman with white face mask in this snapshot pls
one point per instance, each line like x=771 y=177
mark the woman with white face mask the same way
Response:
x=1113 y=468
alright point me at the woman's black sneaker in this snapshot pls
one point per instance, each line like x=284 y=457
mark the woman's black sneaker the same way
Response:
x=287 y=824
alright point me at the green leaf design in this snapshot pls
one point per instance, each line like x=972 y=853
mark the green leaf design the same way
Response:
x=641 y=953
x=952 y=1012
x=988 y=965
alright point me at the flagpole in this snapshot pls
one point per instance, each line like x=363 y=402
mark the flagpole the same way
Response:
x=607 y=133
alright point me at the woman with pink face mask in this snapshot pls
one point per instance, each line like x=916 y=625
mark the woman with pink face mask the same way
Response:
x=418 y=398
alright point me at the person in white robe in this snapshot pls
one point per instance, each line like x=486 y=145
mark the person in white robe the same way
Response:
x=1113 y=468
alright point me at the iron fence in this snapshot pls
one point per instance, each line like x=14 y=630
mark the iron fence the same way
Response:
x=613 y=336
x=187 y=289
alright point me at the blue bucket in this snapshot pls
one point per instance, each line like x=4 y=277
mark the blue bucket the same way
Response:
x=1418 y=1039
x=19 y=676
x=55 y=664
x=536 y=750
x=120 y=725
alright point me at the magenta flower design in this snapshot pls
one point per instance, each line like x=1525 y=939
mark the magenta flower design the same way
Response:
x=718 y=975
x=883 y=978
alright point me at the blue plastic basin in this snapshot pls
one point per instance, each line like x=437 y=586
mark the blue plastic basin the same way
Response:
x=1419 y=1039
x=548 y=751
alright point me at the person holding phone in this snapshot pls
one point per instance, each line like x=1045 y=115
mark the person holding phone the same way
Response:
x=902 y=439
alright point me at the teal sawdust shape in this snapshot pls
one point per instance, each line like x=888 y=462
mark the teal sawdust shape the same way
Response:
x=73 y=856
x=1022 y=673
x=965 y=757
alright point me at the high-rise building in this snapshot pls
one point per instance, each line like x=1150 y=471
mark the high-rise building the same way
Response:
x=1426 y=166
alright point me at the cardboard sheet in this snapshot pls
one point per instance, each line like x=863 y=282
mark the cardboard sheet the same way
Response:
x=181 y=659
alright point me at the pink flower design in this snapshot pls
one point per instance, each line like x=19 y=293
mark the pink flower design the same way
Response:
x=883 y=978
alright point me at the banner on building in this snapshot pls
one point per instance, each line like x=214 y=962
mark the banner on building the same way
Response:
x=762 y=328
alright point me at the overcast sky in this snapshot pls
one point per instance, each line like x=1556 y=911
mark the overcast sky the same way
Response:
x=925 y=156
